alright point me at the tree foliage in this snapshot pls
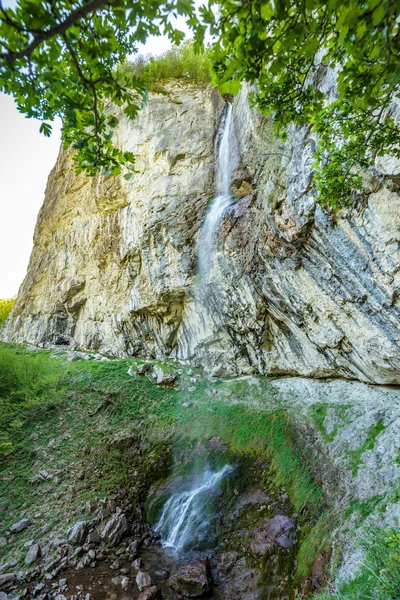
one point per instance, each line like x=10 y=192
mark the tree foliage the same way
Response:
x=60 y=58
x=285 y=46
x=5 y=309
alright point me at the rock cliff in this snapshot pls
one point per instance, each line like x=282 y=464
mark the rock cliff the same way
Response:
x=291 y=289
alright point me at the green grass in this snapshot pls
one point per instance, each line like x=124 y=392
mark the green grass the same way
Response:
x=5 y=308
x=178 y=63
x=379 y=575
x=355 y=456
x=319 y=413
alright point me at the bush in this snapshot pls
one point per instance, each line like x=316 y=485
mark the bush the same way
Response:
x=178 y=63
x=5 y=309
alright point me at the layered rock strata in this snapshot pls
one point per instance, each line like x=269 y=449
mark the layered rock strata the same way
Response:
x=292 y=289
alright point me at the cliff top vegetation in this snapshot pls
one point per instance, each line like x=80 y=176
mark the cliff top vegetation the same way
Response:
x=181 y=62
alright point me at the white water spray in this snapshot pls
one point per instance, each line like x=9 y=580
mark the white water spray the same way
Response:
x=221 y=202
x=184 y=515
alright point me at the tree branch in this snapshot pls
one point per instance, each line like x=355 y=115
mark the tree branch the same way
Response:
x=61 y=28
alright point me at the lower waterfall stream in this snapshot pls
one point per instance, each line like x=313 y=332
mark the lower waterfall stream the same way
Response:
x=184 y=516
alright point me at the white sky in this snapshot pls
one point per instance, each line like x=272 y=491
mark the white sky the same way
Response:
x=26 y=158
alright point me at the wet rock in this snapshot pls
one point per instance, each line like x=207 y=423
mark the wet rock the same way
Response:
x=93 y=538
x=137 y=563
x=20 y=525
x=278 y=529
x=193 y=579
x=226 y=562
x=162 y=574
x=143 y=580
x=6 y=581
x=34 y=553
x=151 y=593
x=121 y=581
x=78 y=533
x=116 y=528
x=133 y=548
x=116 y=565
x=242 y=580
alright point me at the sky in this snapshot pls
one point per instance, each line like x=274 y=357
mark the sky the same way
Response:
x=26 y=159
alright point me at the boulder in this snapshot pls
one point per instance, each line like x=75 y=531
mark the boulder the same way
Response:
x=151 y=593
x=163 y=377
x=278 y=529
x=34 y=553
x=143 y=369
x=137 y=563
x=143 y=580
x=6 y=581
x=93 y=538
x=116 y=528
x=121 y=581
x=20 y=526
x=78 y=534
x=3 y=596
x=134 y=548
x=193 y=579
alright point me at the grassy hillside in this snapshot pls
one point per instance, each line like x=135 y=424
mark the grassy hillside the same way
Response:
x=73 y=431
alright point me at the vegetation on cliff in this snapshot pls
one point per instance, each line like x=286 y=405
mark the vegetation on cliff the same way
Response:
x=5 y=309
x=179 y=63
x=59 y=59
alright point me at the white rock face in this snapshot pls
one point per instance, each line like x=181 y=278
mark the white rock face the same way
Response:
x=291 y=289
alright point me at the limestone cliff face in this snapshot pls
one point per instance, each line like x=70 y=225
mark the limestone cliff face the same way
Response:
x=290 y=290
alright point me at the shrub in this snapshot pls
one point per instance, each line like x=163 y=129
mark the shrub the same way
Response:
x=178 y=63
x=5 y=309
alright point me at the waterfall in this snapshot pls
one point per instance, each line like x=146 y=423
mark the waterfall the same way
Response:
x=221 y=202
x=184 y=516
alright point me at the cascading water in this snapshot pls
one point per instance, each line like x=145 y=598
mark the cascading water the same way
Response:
x=221 y=202
x=184 y=516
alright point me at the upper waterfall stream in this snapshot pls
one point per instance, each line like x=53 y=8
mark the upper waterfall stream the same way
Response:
x=221 y=202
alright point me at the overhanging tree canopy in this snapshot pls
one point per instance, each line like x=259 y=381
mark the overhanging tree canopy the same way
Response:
x=59 y=57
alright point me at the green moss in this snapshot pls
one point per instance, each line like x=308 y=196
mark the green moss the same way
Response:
x=315 y=538
x=355 y=456
x=362 y=509
x=318 y=414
